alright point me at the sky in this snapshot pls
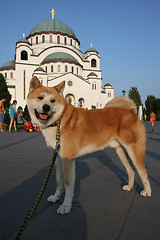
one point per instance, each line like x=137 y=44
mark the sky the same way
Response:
x=126 y=33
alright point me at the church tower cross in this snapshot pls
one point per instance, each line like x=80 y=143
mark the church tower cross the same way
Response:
x=53 y=13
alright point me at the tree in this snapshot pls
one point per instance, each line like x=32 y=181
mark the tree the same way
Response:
x=26 y=113
x=158 y=109
x=158 y=116
x=4 y=93
x=152 y=104
x=135 y=96
x=123 y=92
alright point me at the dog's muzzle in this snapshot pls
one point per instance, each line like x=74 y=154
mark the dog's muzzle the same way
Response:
x=45 y=114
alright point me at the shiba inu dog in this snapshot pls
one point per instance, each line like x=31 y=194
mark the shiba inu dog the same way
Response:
x=84 y=131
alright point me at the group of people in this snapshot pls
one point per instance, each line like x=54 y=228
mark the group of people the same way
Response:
x=12 y=114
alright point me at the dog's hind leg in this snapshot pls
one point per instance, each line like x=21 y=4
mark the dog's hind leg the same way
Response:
x=59 y=180
x=122 y=155
x=137 y=154
x=69 y=181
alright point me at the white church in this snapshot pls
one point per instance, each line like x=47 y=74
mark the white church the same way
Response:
x=52 y=52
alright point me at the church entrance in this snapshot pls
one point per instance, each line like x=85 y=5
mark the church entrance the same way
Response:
x=70 y=98
x=81 y=102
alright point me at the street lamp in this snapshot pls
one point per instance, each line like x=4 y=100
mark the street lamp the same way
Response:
x=123 y=92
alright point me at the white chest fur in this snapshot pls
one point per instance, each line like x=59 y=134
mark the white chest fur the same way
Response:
x=50 y=136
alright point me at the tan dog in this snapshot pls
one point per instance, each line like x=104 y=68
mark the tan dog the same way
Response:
x=84 y=131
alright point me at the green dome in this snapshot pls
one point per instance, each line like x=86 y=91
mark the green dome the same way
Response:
x=60 y=57
x=107 y=85
x=91 y=50
x=92 y=74
x=24 y=40
x=8 y=65
x=52 y=26
x=40 y=69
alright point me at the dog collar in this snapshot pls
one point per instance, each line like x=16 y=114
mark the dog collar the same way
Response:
x=57 y=124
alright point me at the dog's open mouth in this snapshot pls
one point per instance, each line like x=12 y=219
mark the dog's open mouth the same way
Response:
x=42 y=116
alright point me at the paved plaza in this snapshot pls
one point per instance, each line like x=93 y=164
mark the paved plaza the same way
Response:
x=101 y=210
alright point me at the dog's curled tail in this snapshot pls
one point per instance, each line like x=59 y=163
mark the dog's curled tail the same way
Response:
x=122 y=103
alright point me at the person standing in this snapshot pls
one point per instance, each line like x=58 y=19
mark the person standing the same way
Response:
x=12 y=115
x=2 y=113
x=145 y=117
x=152 y=119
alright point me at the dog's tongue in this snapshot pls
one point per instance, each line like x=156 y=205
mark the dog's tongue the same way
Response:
x=43 y=116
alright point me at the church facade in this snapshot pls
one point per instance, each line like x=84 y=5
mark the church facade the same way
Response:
x=52 y=52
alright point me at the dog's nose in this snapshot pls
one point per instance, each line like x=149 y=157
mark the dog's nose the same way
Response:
x=46 y=108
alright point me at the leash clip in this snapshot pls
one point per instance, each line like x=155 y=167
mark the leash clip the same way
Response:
x=57 y=147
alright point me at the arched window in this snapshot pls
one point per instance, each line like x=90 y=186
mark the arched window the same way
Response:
x=43 y=39
x=59 y=68
x=70 y=98
x=72 y=69
x=58 y=39
x=94 y=86
x=37 y=40
x=93 y=63
x=65 y=41
x=66 y=69
x=50 y=39
x=5 y=75
x=77 y=71
x=71 y=42
x=81 y=102
x=51 y=68
x=11 y=74
x=46 y=69
x=24 y=55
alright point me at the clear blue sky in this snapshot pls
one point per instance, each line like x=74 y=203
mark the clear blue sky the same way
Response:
x=126 y=33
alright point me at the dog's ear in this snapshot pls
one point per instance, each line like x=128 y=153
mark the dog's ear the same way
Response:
x=60 y=88
x=34 y=83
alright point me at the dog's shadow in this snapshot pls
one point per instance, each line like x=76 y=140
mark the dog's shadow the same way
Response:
x=112 y=163
x=45 y=221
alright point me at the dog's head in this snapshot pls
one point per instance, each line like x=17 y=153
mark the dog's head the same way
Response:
x=45 y=104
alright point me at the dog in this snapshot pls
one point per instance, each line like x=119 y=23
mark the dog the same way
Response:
x=83 y=131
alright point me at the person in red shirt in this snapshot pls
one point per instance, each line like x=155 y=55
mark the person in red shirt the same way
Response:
x=152 y=119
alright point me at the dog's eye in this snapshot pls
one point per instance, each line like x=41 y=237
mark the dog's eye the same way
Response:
x=52 y=100
x=40 y=98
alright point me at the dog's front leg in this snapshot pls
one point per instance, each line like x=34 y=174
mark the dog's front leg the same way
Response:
x=69 y=181
x=59 y=180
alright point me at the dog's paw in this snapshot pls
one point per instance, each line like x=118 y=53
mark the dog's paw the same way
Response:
x=63 y=209
x=127 y=188
x=53 y=198
x=145 y=193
